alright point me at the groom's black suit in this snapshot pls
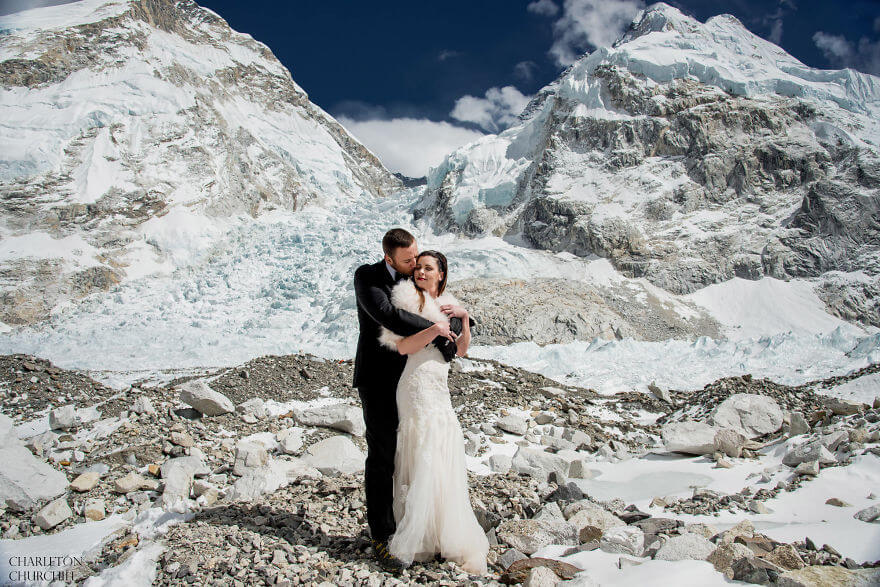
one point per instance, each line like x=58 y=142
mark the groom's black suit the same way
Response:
x=376 y=373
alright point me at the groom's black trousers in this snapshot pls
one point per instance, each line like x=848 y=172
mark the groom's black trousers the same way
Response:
x=380 y=416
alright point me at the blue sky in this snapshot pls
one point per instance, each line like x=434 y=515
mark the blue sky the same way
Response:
x=414 y=80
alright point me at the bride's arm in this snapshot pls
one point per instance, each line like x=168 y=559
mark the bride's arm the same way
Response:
x=464 y=339
x=416 y=342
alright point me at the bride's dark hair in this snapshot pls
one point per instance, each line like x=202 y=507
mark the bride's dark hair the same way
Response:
x=442 y=265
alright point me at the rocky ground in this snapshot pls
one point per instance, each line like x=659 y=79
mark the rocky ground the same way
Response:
x=261 y=465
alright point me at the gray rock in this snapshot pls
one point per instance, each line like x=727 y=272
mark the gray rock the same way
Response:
x=85 y=481
x=500 y=463
x=512 y=424
x=660 y=393
x=722 y=557
x=528 y=536
x=576 y=437
x=623 y=540
x=276 y=474
x=94 y=509
x=584 y=513
x=337 y=455
x=538 y=464
x=178 y=485
x=53 y=514
x=833 y=440
x=812 y=451
x=541 y=577
x=130 y=482
x=809 y=468
x=255 y=407
x=579 y=469
x=249 y=455
x=755 y=415
x=192 y=464
x=843 y=407
x=869 y=514
x=143 y=405
x=729 y=441
x=205 y=400
x=550 y=511
x=510 y=556
x=26 y=480
x=64 y=418
x=290 y=440
x=694 y=438
x=342 y=416
x=557 y=442
x=797 y=424
x=685 y=547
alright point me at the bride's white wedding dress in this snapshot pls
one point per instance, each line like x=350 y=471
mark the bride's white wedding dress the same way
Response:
x=431 y=504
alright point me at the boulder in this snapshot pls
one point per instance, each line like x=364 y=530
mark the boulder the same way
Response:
x=510 y=556
x=249 y=455
x=785 y=557
x=500 y=463
x=178 y=485
x=685 y=547
x=812 y=451
x=255 y=407
x=593 y=515
x=541 y=577
x=342 y=416
x=869 y=514
x=830 y=576
x=729 y=441
x=842 y=407
x=64 y=418
x=538 y=463
x=550 y=511
x=623 y=540
x=755 y=415
x=518 y=570
x=694 y=438
x=290 y=440
x=53 y=514
x=205 y=400
x=85 y=481
x=797 y=424
x=94 y=510
x=528 y=536
x=723 y=557
x=128 y=483
x=512 y=424
x=276 y=474
x=192 y=464
x=143 y=405
x=333 y=456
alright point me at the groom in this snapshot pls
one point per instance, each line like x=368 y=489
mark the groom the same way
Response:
x=376 y=373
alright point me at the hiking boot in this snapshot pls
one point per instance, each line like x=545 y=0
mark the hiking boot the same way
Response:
x=386 y=560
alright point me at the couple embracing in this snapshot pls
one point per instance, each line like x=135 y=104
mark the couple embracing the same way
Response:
x=415 y=475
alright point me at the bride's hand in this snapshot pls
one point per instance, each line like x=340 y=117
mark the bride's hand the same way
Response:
x=456 y=311
x=442 y=329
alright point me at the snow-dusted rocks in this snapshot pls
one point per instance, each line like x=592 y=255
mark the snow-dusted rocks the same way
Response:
x=24 y=479
x=336 y=455
x=342 y=416
x=696 y=438
x=64 y=418
x=755 y=415
x=527 y=536
x=249 y=455
x=512 y=424
x=265 y=479
x=538 y=463
x=53 y=514
x=685 y=547
x=623 y=540
x=811 y=451
x=198 y=394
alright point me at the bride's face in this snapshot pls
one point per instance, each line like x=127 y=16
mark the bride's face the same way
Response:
x=427 y=273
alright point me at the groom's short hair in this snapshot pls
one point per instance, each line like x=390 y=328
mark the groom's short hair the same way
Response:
x=395 y=239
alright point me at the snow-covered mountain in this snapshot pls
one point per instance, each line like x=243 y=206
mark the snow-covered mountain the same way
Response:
x=133 y=134
x=688 y=153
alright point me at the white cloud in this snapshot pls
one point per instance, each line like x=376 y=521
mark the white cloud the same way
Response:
x=587 y=24
x=864 y=56
x=525 y=70
x=409 y=145
x=543 y=7
x=447 y=54
x=494 y=112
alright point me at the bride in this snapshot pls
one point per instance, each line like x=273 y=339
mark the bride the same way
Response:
x=431 y=504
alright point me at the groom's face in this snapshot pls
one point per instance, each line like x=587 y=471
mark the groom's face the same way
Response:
x=403 y=259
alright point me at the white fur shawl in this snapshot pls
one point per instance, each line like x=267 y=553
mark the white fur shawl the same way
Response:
x=405 y=297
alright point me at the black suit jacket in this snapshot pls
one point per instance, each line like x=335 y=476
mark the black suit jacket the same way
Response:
x=374 y=364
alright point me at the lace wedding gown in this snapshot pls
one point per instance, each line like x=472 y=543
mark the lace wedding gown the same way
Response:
x=431 y=504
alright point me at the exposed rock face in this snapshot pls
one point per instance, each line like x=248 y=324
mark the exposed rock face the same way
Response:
x=689 y=172
x=150 y=115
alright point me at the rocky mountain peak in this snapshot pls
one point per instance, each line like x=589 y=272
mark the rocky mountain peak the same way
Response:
x=137 y=132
